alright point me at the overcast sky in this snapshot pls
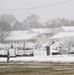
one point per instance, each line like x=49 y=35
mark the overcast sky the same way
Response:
x=65 y=10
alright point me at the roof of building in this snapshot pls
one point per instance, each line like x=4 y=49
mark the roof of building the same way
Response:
x=42 y=30
x=24 y=35
x=63 y=34
x=68 y=28
x=34 y=30
x=20 y=37
x=20 y=32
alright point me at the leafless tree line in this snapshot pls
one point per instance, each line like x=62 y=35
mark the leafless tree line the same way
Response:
x=9 y=23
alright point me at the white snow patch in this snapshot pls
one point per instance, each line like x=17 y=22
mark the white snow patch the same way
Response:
x=51 y=58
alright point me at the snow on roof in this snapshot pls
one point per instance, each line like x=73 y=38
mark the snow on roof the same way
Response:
x=68 y=28
x=20 y=37
x=43 y=30
x=18 y=32
x=63 y=34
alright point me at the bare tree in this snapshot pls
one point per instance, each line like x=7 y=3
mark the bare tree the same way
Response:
x=32 y=21
x=58 y=22
x=18 y=26
x=6 y=21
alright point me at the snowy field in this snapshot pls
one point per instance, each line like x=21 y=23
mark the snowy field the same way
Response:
x=51 y=58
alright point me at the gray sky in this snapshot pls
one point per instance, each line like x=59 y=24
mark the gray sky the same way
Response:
x=65 y=10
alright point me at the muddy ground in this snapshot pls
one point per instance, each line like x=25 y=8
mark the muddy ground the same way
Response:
x=36 y=68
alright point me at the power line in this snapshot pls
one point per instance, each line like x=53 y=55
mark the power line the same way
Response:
x=40 y=6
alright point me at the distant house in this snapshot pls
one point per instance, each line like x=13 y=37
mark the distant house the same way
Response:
x=44 y=31
x=68 y=28
x=64 y=29
x=58 y=30
x=36 y=34
x=22 y=36
x=19 y=38
x=65 y=37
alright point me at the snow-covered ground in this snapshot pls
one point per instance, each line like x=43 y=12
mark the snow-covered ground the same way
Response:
x=51 y=58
